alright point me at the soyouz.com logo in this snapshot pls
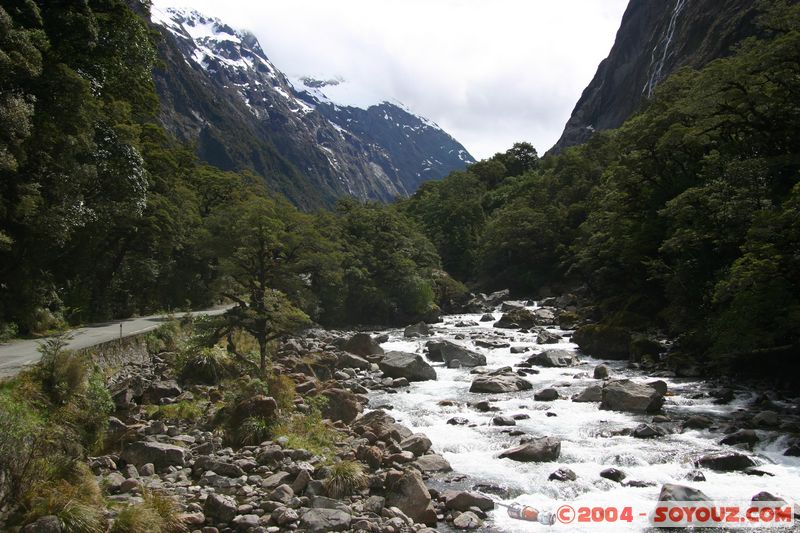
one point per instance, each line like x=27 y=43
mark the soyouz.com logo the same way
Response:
x=728 y=514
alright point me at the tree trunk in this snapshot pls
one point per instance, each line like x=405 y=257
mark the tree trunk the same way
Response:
x=262 y=346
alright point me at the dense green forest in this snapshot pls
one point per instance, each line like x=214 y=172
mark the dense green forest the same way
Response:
x=103 y=215
x=686 y=219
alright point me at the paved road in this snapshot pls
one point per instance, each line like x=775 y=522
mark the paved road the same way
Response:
x=18 y=354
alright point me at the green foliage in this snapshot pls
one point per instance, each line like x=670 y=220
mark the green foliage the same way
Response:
x=205 y=365
x=345 y=478
x=681 y=219
x=184 y=410
x=253 y=431
x=281 y=388
x=158 y=513
x=75 y=499
x=21 y=444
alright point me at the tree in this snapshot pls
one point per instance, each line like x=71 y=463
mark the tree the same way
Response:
x=260 y=246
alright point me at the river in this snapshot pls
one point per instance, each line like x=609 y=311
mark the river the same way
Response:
x=589 y=443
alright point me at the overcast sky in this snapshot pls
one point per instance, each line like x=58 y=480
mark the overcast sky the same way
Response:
x=489 y=72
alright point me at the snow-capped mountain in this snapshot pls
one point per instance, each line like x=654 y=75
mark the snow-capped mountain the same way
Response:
x=313 y=140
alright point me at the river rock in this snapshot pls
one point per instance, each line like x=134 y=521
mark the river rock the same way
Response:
x=766 y=418
x=325 y=520
x=592 y=393
x=646 y=431
x=417 y=444
x=161 y=390
x=553 y=359
x=517 y=318
x=363 y=345
x=45 y=524
x=671 y=492
x=459 y=500
x=563 y=474
x=406 y=365
x=410 y=495
x=499 y=383
x=503 y=421
x=467 y=520
x=696 y=476
x=160 y=454
x=342 y=405
x=614 y=474
x=793 y=450
x=600 y=372
x=743 y=436
x=546 y=395
x=458 y=421
x=220 y=507
x=698 y=422
x=542 y=449
x=487 y=317
x=420 y=329
x=726 y=461
x=204 y=463
x=433 y=463
x=606 y=342
x=546 y=337
x=625 y=395
x=350 y=360
x=447 y=351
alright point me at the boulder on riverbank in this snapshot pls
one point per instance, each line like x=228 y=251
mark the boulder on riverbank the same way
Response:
x=543 y=449
x=726 y=461
x=504 y=382
x=363 y=345
x=625 y=395
x=406 y=365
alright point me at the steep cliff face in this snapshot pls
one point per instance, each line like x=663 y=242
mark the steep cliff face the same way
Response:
x=655 y=39
x=220 y=92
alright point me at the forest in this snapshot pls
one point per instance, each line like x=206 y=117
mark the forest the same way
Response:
x=684 y=220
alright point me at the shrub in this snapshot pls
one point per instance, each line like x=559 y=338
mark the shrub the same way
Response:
x=75 y=500
x=309 y=431
x=158 y=513
x=206 y=365
x=21 y=444
x=344 y=479
x=62 y=372
x=281 y=388
x=253 y=431
x=8 y=330
x=184 y=410
x=165 y=338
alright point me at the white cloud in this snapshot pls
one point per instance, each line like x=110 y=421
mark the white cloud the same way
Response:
x=489 y=72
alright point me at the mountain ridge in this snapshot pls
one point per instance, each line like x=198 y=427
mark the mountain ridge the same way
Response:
x=221 y=93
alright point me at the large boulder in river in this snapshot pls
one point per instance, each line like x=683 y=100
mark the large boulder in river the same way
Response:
x=159 y=454
x=553 y=359
x=671 y=492
x=625 y=395
x=517 y=318
x=447 y=351
x=604 y=342
x=351 y=360
x=406 y=365
x=420 y=329
x=459 y=500
x=726 y=461
x=592 y=393
x=411 y=496
x=505 y=382
x=543 y=449
x=363 y=345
